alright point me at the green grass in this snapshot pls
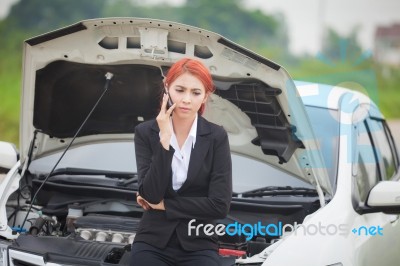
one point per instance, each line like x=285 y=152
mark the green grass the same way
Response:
x=389 y=92
x=10 y=83
x=367 y=78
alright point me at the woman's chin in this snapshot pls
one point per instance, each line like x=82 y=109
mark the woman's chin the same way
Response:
x=183 y=115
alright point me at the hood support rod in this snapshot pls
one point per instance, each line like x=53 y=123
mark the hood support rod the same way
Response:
x=106 y=85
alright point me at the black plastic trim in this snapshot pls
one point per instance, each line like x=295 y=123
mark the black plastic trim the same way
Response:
x=364 y=209
x=56 y=34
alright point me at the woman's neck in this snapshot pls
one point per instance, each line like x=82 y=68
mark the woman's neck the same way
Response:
x=182 y=127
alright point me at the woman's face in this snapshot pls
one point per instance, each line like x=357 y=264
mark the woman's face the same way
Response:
x=189 y=93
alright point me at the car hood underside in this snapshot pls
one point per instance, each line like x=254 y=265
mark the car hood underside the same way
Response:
x=64 y=75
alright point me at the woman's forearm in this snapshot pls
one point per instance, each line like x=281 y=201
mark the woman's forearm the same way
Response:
x=154 y=169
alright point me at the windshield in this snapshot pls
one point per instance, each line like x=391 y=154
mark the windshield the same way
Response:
x=325 y=123
x=118 y=156
x=247 y=173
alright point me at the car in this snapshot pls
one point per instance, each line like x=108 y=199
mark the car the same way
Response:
x=315 y=168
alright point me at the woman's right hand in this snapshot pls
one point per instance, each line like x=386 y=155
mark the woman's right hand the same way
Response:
x=164 y=123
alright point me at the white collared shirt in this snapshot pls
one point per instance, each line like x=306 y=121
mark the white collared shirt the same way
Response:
x=180 y=161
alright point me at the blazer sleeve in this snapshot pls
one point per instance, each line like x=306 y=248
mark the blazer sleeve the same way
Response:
x=153 y=164
x=216 y=204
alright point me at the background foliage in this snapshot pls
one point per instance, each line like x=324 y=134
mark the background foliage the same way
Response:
x=341 y=60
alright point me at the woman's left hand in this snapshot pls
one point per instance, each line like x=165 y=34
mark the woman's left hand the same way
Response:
x=160 y=206
x=147 y=206
x=142 y=202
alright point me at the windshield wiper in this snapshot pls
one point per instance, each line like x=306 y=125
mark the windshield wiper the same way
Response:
x=83 y=171
x=126 y=178
x=128 y=181
x=277 y=191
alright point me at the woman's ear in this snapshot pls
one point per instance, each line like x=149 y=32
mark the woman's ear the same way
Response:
x=206 y=97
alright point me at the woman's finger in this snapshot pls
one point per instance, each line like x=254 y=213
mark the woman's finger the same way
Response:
x=143 y=203
x=139 y=200
x=164 y=102
x=169 y=111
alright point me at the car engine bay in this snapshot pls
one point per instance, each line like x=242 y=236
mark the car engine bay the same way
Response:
x=93 y=222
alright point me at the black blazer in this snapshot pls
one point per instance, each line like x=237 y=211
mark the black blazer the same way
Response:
x=205 y=195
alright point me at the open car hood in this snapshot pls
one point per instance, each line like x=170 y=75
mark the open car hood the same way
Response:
x=255 y=100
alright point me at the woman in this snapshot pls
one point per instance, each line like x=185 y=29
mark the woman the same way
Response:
x=185 y=174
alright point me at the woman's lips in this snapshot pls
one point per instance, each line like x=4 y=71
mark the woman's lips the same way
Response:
x=184 y=109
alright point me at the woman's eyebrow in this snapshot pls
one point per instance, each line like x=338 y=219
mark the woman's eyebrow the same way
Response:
x=180 y=87
x=183 y=87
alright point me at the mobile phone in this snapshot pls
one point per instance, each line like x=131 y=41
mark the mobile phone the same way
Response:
x=169 y=103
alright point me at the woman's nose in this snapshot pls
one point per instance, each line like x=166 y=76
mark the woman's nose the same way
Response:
x=186 y=98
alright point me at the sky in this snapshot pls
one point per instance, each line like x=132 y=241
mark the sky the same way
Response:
x=308 y=19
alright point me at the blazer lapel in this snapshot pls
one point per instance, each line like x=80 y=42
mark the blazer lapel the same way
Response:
x=198 y=152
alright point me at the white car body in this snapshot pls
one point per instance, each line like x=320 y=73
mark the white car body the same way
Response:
x=270 y=128
x=366 y=246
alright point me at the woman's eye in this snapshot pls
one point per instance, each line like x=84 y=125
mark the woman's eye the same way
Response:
x=196 y=93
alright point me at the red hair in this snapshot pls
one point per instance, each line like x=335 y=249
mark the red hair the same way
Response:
x=195 y=68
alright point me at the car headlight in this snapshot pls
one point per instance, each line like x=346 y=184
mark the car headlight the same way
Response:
x=3 y=254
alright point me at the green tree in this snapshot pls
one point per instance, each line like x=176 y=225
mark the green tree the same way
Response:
x=228 y=18
x=337 y=47
x=40 y=16
x=123 y=8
